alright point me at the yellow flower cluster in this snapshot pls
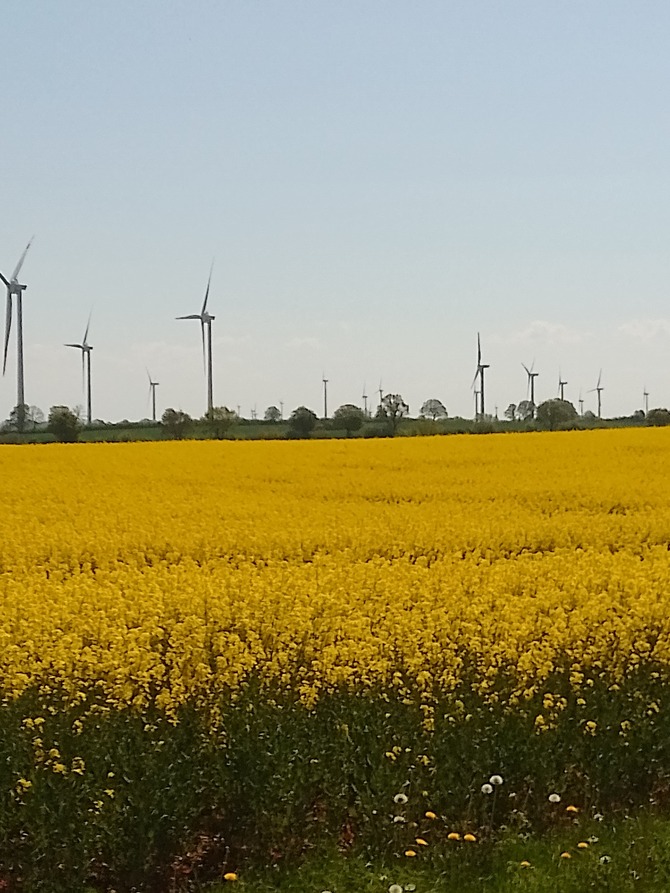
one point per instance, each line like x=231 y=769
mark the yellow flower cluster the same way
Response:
x=168 y=572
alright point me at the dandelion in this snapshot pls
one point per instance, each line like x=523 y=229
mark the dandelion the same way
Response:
x=430 y=815
x=230 y=876
x=421 y=842
x=582 y=845
x=572 y=809
x=410 y=853
x=487 y=789
x=395 y=888
x=470 y=838
x=399 y=819
x=454 y=835
x=554 y=798
x=400 y=798
x=566 y=856
x=524 y=864
x=496 y=780
x=605 y=859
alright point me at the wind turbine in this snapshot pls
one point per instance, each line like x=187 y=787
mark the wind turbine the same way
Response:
x=325 y=395
x=206 y=320
x=86 y=349
x=381 y=394
x=364 y=398
x=479 y=374
x=561 y=386
x=531 y=381
x=645 y=398
x=581 y=403
x=15 y=290
x=152 y=393
x=599 y=388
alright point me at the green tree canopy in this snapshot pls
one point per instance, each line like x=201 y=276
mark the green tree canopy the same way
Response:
x=556 y=413
x=349 y=417
x=302 y=422
x=176 y=423
x=434 y=409
x=64 y=424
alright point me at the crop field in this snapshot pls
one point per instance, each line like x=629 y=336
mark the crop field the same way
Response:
x=213 y=652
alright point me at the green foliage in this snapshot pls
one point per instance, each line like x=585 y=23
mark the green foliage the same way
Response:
x=116 y=800
x=176 y=423
x=302 y=422
x=556 y=413
x=658 y=417
x=220 y=421
x=272 y=414
x=394 y=409
x=348 y=417
x=64 y=424
x=434 y=409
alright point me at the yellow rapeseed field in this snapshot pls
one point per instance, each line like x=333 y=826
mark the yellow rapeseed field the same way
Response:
x=166 y=572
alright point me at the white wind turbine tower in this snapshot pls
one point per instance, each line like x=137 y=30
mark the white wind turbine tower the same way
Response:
x=645 y=399
x=364 y=398
x=86 y=349
x=15 y=290
x=152 y=394
x=206 y=320
x=598 y=388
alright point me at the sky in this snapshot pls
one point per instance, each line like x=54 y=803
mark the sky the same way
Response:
x=375 y=182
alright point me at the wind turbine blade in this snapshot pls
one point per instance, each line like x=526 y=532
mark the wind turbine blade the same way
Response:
x=191 y=316
x=79 y=346
x=148 y=374
x=204 y=306
x=8 y=327
x=479 y=352
x=6 y=281
x=528 y=371
x=600 y=375
x=87 y=328
x=21 y=259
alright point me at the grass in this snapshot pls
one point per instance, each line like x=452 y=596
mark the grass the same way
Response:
x=632 y=854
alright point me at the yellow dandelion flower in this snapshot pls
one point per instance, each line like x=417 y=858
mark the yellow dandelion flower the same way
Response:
x=470 y=838
x=230 y=876
x=566 y=856
x=582 y=845
x=421 y=842
x=410 y=853
x=572 y=809
x=453 y=835
x=430 y=815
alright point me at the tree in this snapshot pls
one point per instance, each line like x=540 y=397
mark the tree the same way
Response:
x=349 y=417
x=64 y=424
x=395 y=409
x=510 y=412
x=434 y=408
x=176 y=423
x=525 y=410
x=556 y=413
x=272 y=414
x=221 y=420
x=302 y=422
x=32 y=417
x=658 y=417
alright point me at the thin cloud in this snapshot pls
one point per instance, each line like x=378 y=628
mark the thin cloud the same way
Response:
x=645 y=329
x=298 y=343
x=541 y=332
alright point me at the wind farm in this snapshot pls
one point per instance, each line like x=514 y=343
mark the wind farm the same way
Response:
x=479 y=387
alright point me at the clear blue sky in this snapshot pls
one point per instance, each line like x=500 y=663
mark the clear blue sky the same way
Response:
x=376 y=180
